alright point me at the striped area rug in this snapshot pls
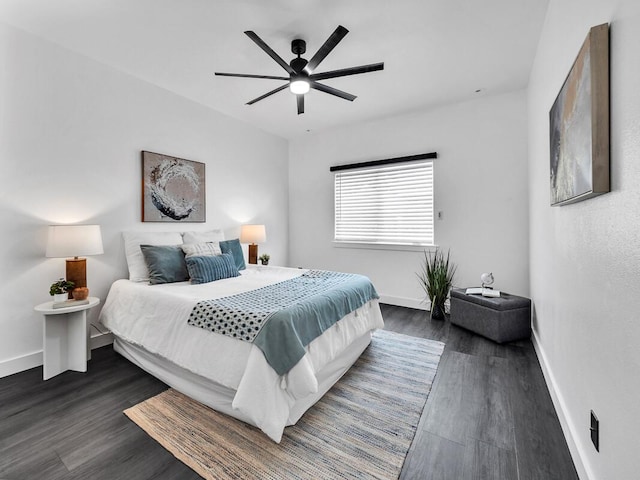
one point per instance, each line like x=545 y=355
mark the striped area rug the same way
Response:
x=361 y=429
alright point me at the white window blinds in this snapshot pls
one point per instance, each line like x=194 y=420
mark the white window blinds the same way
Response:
x=388 y=204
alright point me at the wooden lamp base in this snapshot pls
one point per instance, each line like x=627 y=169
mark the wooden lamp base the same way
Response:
x=253 y=253
x=77 y=272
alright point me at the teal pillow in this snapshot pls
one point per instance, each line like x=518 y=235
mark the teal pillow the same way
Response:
x=209 y=268
x=165 y=263
x=235 y=249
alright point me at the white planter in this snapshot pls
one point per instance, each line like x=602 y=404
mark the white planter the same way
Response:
x=60 y=297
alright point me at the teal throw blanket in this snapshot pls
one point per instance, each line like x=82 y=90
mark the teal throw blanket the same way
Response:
x=282 y=319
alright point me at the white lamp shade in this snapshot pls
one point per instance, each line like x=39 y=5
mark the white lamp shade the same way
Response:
x=74 y=240
x=253 y=234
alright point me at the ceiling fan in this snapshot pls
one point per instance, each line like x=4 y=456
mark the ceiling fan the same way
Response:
x=301 y=72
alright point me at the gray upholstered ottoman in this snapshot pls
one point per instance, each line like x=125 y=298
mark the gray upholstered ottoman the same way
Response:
x=502 y=319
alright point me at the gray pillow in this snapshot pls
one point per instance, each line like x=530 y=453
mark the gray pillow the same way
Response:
x=165 y=263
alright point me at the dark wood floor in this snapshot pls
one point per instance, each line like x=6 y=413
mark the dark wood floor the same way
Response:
x=489 y=416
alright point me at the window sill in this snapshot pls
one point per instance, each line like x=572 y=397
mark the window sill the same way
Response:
x=384 y=246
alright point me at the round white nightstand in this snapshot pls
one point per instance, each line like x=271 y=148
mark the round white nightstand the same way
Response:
x=65 y=338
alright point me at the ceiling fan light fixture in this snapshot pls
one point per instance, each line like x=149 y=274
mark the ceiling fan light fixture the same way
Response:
x=302 y=76
x=299 y=86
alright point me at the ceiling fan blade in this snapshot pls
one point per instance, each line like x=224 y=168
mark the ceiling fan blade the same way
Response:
x=332 y=91
x=300 y=99
x=348 y=71
x=269 y=51
x=262 y=97
x=246 y=75
x=324 y=50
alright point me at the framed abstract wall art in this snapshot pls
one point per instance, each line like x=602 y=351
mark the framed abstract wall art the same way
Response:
x=173 y=189
x=579 y=125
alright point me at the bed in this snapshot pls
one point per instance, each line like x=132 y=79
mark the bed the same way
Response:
x=156 y=327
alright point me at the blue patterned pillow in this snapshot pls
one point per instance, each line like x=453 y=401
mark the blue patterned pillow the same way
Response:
x=207 y=269
x=234 y=248
x=165 y=263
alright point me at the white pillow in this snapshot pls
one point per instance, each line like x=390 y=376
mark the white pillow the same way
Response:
x=205 y=249
x=201 y=237
x=138 y=271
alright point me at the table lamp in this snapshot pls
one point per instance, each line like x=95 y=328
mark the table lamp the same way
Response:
x=253 y=234
x=74 y=241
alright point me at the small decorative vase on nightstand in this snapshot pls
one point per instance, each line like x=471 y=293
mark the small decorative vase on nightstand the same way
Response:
x=80 y=293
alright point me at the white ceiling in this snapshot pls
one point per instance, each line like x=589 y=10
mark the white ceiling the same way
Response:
x=434 y=51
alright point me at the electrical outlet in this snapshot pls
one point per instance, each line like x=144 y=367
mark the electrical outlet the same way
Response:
x=440 y=215
x=595 y=431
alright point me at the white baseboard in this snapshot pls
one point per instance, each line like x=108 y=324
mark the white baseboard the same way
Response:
x=20 y=364
x=568 y=428
x=410 y=303
x=100 y=340
x=405 y=302
x=32 y=360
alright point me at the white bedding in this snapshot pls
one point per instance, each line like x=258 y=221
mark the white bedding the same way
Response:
x=155 y=317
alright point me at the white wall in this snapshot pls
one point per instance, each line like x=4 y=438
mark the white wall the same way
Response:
x=480 y=186
x=585 y=258
x=71 y=132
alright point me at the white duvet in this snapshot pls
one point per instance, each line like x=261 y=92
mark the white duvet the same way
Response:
x=155 y=317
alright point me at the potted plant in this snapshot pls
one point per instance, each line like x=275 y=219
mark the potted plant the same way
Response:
x=60 y=290
x=436 y=279
x=264 y=259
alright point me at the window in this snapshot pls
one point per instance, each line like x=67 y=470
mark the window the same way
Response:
x=389 y=204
